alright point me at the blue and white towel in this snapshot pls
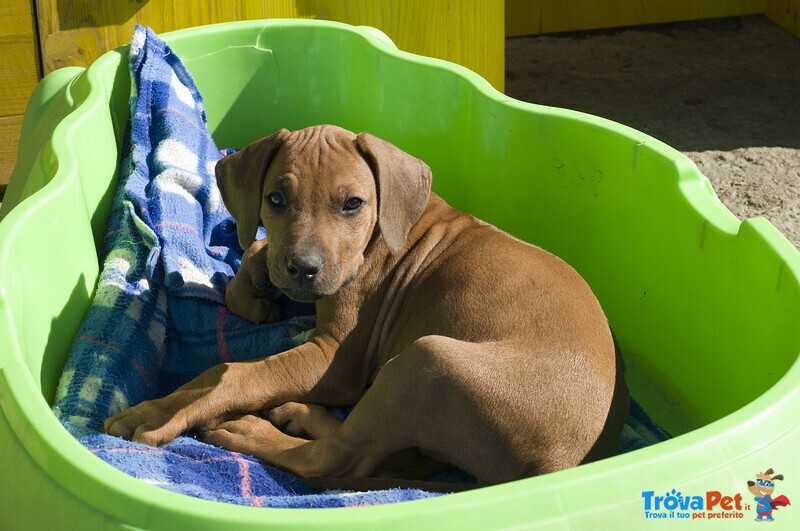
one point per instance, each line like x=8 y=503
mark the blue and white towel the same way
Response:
x=158 y=317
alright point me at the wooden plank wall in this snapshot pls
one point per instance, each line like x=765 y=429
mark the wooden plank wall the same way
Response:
x=785 y=13
x=533 y=17
x=18 y=76
x=467 y=32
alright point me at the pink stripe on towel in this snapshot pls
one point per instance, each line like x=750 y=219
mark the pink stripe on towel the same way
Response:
x=244 y=473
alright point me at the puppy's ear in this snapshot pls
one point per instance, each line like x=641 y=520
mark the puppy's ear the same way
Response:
x=404 y=184
x=240 y=178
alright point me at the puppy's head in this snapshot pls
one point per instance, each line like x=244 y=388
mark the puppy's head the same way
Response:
x=321 y=194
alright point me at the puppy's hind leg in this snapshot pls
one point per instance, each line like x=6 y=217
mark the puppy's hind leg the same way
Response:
x=417 y=400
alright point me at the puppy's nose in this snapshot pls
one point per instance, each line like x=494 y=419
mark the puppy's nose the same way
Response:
x=304 y=266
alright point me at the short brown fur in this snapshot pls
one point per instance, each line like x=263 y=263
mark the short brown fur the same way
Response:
x=445 y=333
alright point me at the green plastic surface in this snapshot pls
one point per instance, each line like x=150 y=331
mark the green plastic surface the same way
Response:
x=705 y=308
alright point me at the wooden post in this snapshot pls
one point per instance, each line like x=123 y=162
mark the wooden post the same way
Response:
x=786 y=14
x=18 y=77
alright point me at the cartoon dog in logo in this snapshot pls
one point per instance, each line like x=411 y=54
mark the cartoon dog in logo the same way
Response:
x=762 y=489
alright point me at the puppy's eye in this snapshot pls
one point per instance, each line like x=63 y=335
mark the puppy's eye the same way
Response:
x=276 y=199
x=352 y=204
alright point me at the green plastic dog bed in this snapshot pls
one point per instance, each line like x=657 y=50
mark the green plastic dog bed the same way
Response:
x=705 y=308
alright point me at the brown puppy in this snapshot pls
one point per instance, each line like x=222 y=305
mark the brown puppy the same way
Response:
x=446 y=333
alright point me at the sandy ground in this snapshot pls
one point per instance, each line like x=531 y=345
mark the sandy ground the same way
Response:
x=726 y=92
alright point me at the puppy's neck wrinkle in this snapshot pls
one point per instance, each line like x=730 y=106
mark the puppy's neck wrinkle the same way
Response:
x=367 y=309
x=428 y=238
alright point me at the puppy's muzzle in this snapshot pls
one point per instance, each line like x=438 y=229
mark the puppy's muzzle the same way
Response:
x=302 y=278
x=304 y=268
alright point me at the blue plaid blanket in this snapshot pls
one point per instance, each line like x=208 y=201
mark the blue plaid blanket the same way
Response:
x=158 y=316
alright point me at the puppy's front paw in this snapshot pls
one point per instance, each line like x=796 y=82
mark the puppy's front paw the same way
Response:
x=250 y=293
x=251 y=303
x=152 y=422
x=202 y=401
x=248 y=434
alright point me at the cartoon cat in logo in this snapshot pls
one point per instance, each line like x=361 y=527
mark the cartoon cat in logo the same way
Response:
x=762 y=488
